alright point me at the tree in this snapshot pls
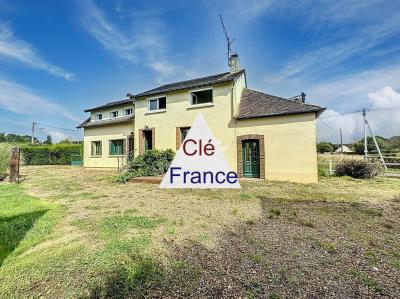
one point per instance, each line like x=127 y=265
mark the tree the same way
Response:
x=48 y=140
x=324 y=147
x=382 y=142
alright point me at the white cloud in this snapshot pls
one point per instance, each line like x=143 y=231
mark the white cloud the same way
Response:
x=21 y=51
x=145 y=44
x=19 y=99
x=384 y=118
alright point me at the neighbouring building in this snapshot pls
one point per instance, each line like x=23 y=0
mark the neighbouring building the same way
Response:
x=264 y=136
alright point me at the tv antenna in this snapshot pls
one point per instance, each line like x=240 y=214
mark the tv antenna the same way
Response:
x=228 y=40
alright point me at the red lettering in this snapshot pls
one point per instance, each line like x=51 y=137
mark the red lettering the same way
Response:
x=184 y=147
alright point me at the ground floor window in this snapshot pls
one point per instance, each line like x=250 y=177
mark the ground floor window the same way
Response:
x=184 y=132
x=96 y=148
x=117 y=147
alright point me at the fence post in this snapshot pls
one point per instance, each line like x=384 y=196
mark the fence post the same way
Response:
x=14 y=165
x=330 y=167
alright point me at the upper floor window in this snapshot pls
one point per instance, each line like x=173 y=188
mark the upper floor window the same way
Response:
x=114 y=114
x=128 y=111
x=99 y=116
x=157 y=104
x=204 y=96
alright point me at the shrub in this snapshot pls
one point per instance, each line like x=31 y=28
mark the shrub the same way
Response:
x=151 y=163
x=55 y=154
x=358 y=169
x=4 y=159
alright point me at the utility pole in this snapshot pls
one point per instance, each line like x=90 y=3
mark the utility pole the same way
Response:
x=365 y=135
x=376 y=144
x=341 y=141
x=33 y=133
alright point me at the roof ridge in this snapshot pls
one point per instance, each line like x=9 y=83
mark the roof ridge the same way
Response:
x=282 y=98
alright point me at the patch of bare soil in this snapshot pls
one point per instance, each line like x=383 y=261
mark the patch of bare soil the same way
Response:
x=297 y=249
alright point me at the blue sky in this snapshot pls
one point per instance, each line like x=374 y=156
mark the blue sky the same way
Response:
x=59 y=57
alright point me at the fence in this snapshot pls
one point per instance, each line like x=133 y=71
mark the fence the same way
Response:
x=328 y=162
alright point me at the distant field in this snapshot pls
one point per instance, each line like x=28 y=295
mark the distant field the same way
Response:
x=74 y=232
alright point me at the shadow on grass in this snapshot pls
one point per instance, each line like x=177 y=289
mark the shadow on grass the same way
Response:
x=295 y=249
x=13 y=229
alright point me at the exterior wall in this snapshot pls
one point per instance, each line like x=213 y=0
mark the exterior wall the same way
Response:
x=105 y=134
x=289 y=141
x=179 y=113
x=107 y=112
x=290 y=146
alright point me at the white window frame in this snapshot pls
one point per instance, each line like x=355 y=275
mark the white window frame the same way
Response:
x=203 y=104
x=129 y=113
x=97 y=116
x=158 y=103
x=111 y=114
x=93 y=148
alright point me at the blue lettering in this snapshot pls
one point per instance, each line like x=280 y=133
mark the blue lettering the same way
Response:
x=172 y=174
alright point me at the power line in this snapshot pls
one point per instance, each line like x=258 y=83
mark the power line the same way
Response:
x=67 y=129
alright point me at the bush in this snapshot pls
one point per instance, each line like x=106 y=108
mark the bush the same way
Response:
x=324 y=147
x=55 y=154
x=358 y=169
x=151 y=163
x=4 y=159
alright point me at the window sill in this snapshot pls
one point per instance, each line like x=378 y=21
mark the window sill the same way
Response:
x=156 y=111
x=115 y=156
x=97 y=156
x=200 y=106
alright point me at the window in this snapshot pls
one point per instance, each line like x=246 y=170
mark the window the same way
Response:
x=99 y=116
x=114 y=114
x=184 y=132
x=128 y=111
x=117 y=147
x=96 y=148
x=201 y=97
x=157 y=104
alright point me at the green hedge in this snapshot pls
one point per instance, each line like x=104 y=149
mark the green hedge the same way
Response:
x=54 y=154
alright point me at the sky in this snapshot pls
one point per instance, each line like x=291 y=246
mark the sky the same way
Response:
x=58 y=58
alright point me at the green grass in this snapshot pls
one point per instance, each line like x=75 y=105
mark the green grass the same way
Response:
x=90 y=236
x=369 y=282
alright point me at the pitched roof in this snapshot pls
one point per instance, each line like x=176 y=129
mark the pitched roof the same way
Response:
x=111 y=104
x=198 y=82
x=257 y=104
x=88 y=124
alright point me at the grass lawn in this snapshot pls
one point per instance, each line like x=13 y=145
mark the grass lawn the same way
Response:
x=73 y=232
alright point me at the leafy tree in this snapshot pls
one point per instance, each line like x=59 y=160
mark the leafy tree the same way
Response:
x=48 y=140
x=65 y=141
x=382 y=142
x=324 y=147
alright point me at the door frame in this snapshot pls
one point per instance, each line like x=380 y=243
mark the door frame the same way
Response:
x=141 y=139
x=239 y=153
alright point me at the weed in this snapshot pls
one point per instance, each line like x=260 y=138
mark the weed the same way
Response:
x=374 y=212
x=369 y=282
x=327 y=246
x=250 y=222
x=256 y=258
x=235 y=211
x=307 y=222
x=245 y=196
x=273 y=212
x=396 y=198
x=274 y=296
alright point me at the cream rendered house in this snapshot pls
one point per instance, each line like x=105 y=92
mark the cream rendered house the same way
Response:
x=263 y=136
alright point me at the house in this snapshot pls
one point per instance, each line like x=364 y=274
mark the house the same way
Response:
x=263 y=136
x=343 y=149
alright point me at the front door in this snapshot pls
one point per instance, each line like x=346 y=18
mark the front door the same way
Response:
x=148 y=140
x=251 y=158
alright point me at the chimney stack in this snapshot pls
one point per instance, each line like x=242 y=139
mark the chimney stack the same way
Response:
x=234 y=63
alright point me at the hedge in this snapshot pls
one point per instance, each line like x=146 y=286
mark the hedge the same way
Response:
x=54 y=154
x=358 y=169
